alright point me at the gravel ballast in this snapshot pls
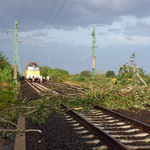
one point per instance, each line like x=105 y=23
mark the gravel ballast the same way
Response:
x=58 y=134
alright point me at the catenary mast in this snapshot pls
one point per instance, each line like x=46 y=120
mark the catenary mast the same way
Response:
x=15 y=55
x=94 y=53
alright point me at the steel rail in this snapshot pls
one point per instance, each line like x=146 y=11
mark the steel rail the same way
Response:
x=144 y=126
x=106 y=137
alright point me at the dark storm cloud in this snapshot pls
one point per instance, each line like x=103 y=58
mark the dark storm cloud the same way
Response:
x=74 y=13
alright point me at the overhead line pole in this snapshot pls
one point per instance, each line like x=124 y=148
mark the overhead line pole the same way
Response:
x=94 y=53
x=15 y=55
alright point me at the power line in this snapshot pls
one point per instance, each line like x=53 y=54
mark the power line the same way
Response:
x=3 y=24
x=50 y=26
x=65 y=54
x=54 y=19
x=85 y=59
x=22 y=11
x=49 y=14
x=35 y=48
x=83 y=65
x=108 y=58
x=63 y=62
x=70 y=62
x=6 y=33
x=47 y=19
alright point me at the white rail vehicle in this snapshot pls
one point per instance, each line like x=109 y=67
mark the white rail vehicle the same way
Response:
x=32 y=72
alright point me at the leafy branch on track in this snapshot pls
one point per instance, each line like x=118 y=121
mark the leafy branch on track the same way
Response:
x=16 y=107
x=128 y=91
x=62 y=80
x=3 y=120
x=13 y=112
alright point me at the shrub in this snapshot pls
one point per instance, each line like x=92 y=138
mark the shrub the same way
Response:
x=110 y=73
x=86 y=73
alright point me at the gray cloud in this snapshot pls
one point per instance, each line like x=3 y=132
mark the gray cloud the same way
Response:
x=101 y=33
x=140 y=28
x=128 y=38
x=115 y=30
x=74 y=13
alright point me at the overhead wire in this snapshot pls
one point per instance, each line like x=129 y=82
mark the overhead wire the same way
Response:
x=22 y=11
x=85 y=59
x=55 y=19
x=65 y=54
x=70 y=61
x=73 y=61
x=108 y=58
x=62 y=62
x=6 y=33
x=81 y=62
x=21 y=15
x=50 y=26
x=35 y=48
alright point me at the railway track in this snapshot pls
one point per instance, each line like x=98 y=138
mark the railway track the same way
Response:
x=105 y=129
x=109 y=127
x=56 y=89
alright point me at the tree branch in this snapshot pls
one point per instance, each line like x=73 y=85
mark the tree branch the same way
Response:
x=135 y=70
x=1 y=119
x=28 y=130
x=30 y=112
x=16 y=107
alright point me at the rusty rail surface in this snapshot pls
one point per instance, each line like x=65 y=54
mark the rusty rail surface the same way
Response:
x=100 y=133
x=144 y=126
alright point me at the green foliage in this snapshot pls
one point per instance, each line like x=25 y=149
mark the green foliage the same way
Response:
x=101 y=90
x=141 y=72
x=128 y=74
x=59 y=74
x=56 y=74
x=5 y=135
x=6 y=71
x=3 y=61
x=110 y=73
x=43 y=108
x=44 y=71
x=86 y=74
x=7 y=97
x=78 y=79
x=6 y=75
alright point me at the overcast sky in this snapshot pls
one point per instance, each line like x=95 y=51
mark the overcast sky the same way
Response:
x=61 y=30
